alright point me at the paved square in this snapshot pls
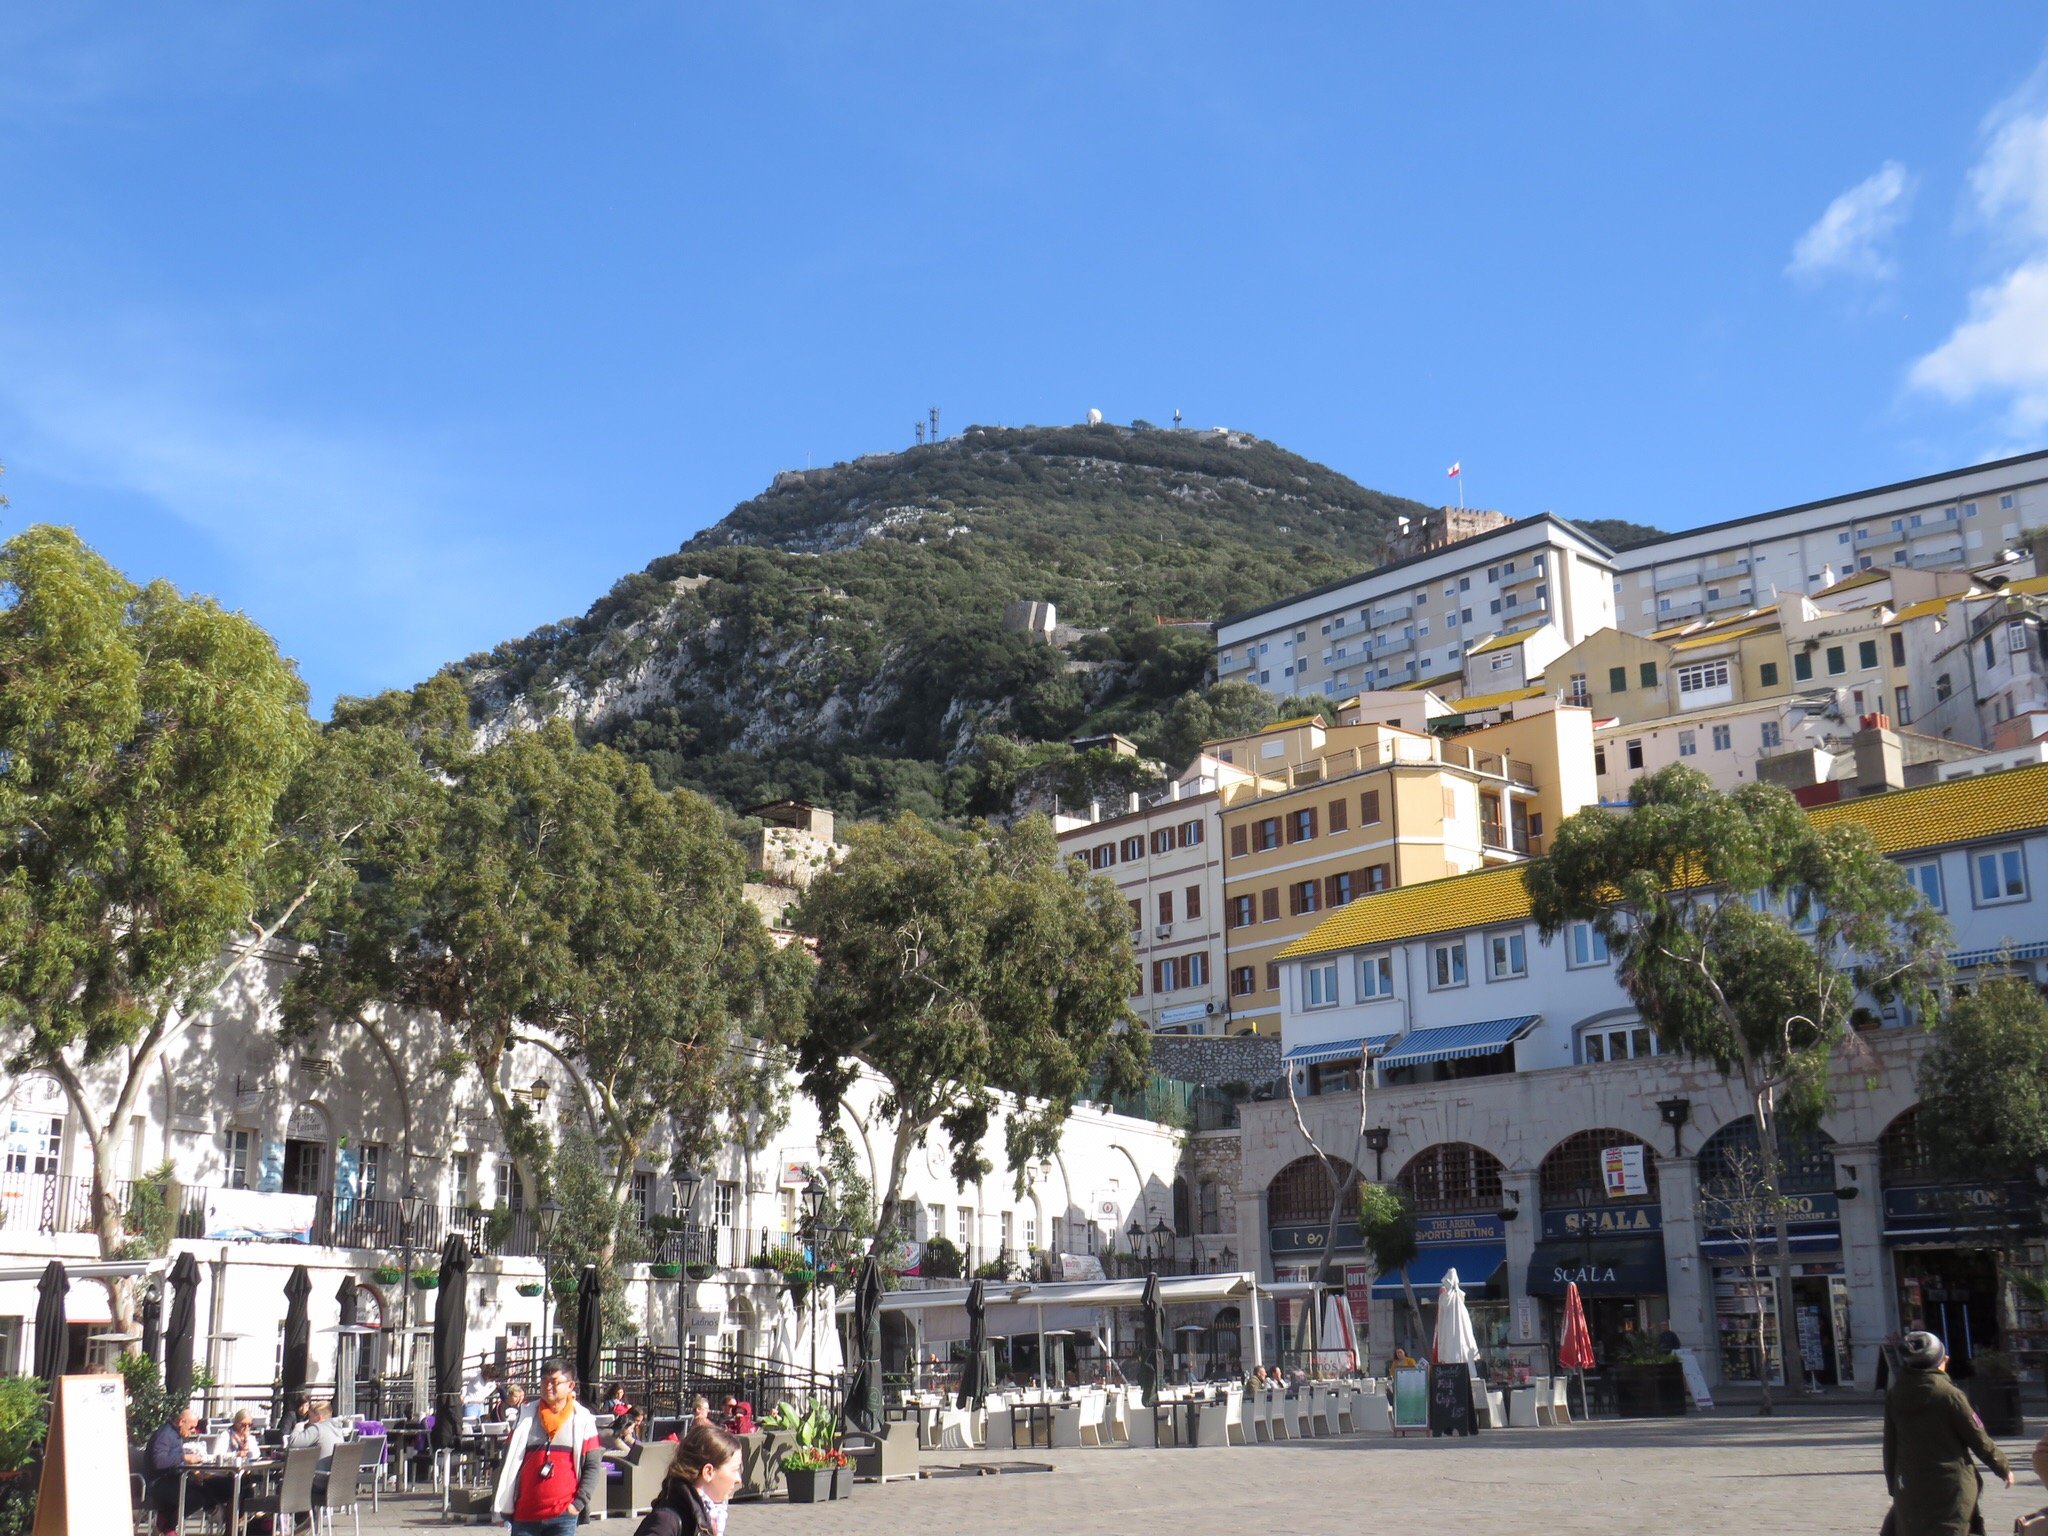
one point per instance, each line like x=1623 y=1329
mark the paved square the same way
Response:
x=1719 y=1473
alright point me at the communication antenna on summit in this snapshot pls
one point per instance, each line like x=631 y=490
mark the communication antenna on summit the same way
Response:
x=920 y=431
x=935 y=423
x=1176 y=418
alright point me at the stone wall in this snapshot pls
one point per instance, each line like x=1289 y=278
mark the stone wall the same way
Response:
x=1214 y=1060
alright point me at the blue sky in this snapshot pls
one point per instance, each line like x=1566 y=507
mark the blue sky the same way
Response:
x=407 y=329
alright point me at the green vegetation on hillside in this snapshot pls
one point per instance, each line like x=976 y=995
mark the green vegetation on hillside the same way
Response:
x=839 y=637
x=1617 y=532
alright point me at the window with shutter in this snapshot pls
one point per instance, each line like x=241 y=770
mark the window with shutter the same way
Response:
x=1237 y=842
x=1340 y=815
x=1166 y=906
x=1376 y=878
x=1294 y=907
x=1192 y=905
x=1272 y=976
x=1269 y=903
x=1450 y=803
x=1369 y=808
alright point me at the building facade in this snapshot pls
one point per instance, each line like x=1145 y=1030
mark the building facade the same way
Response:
x=1504 y=1076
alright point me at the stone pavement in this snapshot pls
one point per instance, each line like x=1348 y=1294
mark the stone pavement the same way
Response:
x=1717 y=1473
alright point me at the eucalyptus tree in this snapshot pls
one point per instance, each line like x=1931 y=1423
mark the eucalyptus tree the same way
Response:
x=1747 y=937
x=960 y=969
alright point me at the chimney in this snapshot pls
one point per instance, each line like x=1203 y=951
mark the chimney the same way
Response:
x=1880 y=758
x=1133 y=807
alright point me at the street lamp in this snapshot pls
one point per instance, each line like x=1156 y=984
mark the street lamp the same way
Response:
x=411 y=1207
x=1162 y=1241
x=815 y=1192
x=544 y=1222
x=1676 y=1113
x=1136 y=1233
x=688 y=1181
x=1376 y=1139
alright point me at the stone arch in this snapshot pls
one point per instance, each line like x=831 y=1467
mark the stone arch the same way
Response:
x=1903 y=1159
x=1570 y=1174
x=1452 y=1176
x=1807 y=1157
x=1302 y=1191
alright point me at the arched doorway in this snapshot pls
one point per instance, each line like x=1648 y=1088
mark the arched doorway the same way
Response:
x=1739 y=1243
x=1601 y=1228
x=1299 y=1202
x=1949 y=1242
x=1455 y=1191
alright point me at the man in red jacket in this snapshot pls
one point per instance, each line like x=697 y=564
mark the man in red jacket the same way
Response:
x=553 y=1470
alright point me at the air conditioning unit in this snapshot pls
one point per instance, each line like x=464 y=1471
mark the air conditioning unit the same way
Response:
x=1163 y=931
x=1209 y=1008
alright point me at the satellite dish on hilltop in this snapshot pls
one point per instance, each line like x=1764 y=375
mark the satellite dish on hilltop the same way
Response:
x=1094 y=417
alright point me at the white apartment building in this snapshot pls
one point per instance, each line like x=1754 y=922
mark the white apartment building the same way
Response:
x=1165 y=857
x=1416 y=618
x=1960 y=518
x=1500 y=1072
x=354 y=1152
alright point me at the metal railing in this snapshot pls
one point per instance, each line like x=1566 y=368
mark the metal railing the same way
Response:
x=50 y=1203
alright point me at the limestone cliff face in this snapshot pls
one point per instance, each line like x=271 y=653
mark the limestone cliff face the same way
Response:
x=839 y=637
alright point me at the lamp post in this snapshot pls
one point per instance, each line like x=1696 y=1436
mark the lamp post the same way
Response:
x=1162 y=1243
x=1136 y=1233
x=1376 y=1139
x=544 y=1220
x=411 y=1207
x=814 y=1207
x=1676 y=1112
x=688 y=1181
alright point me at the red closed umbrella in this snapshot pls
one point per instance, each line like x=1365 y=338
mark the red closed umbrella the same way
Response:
x=1575 y=1352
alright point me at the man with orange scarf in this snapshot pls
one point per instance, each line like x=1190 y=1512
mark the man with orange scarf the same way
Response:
x=553 y=1471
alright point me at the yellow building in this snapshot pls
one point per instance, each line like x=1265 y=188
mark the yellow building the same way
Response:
x=1331 y=813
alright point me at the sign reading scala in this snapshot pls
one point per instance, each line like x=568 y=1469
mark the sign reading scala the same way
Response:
x=1604 y=1221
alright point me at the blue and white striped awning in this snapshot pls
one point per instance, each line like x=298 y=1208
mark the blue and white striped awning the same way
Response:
x=1455 y=1041
x=1968 y=959
x=1338 y=1050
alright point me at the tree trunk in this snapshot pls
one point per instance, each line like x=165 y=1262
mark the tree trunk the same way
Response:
x=886 y=1208
x=1415 y=1311
x=1787 y=1325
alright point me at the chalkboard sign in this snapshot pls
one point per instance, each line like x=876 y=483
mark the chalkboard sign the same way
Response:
x=1411 y=1398
x=1450 y=1400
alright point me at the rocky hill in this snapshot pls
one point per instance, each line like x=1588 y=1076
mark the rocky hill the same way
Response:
x=839 y=637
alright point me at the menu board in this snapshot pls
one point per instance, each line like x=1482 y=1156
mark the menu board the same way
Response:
x=1450 y=1400
x=1411 y=1397
x=89 y=1414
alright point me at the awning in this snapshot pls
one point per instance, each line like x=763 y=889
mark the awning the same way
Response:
x=1969 y=959
x=1339 y=1050
x=1455 y=1041
x=1809 y=1242
x=1601 y=1266
x=1475 y=1263
x=1173 y=1291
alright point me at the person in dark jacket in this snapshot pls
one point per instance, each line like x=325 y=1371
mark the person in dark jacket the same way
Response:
x=1930 y=1434
x=701 y=1482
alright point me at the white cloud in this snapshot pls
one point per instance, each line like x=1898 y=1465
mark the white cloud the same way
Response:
x=1849 y=237
x=2002 y=348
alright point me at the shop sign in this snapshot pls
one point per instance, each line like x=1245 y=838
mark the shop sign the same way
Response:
x=1604 y=1221
x=1942 y=1208
x=1622 y=1168
x=1358 y=1292
x=1186 y=1012
x=1807 y=1216
x=1460 y=1229
x=1310 y=1237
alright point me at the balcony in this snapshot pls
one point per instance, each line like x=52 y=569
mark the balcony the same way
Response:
x=49 y=1203
x=1735 y=599
x=1523 y=576
x=1392 y=645
x=1498 y=837
x=1727 y=572
x=1671 y=581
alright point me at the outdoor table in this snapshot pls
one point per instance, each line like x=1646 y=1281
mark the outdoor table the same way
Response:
x=1037 y=1425
x=262 y=1467
x=1174 y=1420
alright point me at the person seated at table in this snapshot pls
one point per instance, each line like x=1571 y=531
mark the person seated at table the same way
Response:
x=619 y=1441
x=1401 y=1357
x=617 y=1407
x=700 y=1412
x=511 y=1403
x=322 y=1431
x=239 y=1438
x=171 y=1450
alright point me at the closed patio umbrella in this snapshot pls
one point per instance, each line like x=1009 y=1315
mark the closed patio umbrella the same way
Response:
x=589 y=1332
x=298 y=1343
x=1575 y=1351
x=1152 y=1341
x=1455 y=1342
x=53 y=1339
x=864 y=1392
x=451 y=1334
x=974 y=1374
x=153 y=1323
x=178 y=1330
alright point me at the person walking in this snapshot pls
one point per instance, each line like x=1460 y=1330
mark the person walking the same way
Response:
x=700 y=1484
x=1930 y=1434
x=553 y=1473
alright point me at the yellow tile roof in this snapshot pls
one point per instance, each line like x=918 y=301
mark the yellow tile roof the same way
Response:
x=1429 y=682
x=1694 y=642
x=1497 y=642
x=1960 y=811
x=1477 y=701
x=1919 y=610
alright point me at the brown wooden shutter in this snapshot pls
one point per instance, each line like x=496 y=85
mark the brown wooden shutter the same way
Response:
x=1269 y=903
x=1332 y=892
x=1237 y=841
x=1369 y=808
x=1311 y=814
x=1272 y=975
x=1340 y=815
x=1193 y=905
x=1166 y=906
x=1294 y=900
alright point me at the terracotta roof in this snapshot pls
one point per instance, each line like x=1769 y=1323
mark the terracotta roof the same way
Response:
x=1693 y=642
x=1959 y=811
x=1919 y=610
x=1477 y=701
x=1499 y=642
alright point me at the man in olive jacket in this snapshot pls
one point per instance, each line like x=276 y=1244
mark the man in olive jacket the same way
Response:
x=1930 y=1433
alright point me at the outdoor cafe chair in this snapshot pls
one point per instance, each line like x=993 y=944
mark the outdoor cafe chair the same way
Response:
x=1141 y=1427
x=1275 y=1405
x=1066 y=1426
x=370 y=1475
x=1213 y=1425
x=1094 y=1406
x=995 y=1434
x=1371 y=1415
x=294 y=1496
x=1301 y=1419
x=341 y=1490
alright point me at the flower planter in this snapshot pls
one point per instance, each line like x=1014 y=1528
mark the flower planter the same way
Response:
x=702 y=1271
x=390 y=1274
x=842 y=1482
x=528 y=1288
x=808 y=1487
x=426 y=1280
x=1649 y=1391
x=1997 y=1401
x=666 y=1271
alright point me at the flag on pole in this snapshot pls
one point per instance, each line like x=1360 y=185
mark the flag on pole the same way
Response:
x=1452 y=472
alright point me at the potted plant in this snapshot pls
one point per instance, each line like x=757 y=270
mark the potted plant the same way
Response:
x=387 y=1274
x=942 y=1261
x=1993 y=1388
x=814 y=1472
x=1649 y=1383
x=700 y=1269
x=665 y=1269
x=426 y=1279
x=528 y=1287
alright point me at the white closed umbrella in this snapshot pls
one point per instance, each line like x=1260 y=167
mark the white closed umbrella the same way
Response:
x=1456 y=1344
